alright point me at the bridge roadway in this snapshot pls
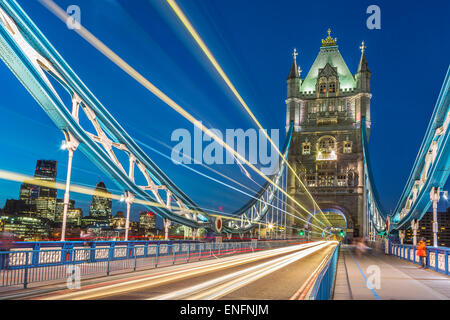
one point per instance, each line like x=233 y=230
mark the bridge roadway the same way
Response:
x=398 y=279
x=281 y=273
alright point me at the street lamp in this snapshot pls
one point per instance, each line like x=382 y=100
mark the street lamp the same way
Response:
x=434 y=196
x=70 y=144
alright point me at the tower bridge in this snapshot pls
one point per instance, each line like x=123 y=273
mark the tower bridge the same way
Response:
x=324 y=184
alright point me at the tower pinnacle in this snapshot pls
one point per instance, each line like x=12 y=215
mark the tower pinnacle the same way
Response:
x=294 y=73
x=295 y=54
x=329 y=41
x=362 y=47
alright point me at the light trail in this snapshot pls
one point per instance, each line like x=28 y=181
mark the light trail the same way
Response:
x=223 y=285
x=113 y=57
x=175 y=275
x=177 y=10
x=18 y=177
x=233 y=188
x=222 y=175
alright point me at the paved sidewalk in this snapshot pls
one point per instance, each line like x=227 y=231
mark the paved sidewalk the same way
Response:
x=398 y=279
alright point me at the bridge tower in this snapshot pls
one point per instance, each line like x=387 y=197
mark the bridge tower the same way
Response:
x=326 y=151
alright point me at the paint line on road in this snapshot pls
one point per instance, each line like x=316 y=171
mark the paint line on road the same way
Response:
x=365 y=278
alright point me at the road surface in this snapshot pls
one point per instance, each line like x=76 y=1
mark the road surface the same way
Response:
x=276 y=274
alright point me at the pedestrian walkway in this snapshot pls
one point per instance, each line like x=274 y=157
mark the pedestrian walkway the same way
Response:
x=389 y=278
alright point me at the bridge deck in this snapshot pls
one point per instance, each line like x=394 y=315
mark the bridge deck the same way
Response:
x=399 y=280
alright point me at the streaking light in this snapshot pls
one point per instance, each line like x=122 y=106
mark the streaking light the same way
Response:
x=230 y=85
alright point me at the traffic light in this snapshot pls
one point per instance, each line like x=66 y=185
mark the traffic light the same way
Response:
x=301 y=233
x=342 y=233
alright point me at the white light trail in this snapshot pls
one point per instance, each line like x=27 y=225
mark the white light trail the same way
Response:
x=113 y=57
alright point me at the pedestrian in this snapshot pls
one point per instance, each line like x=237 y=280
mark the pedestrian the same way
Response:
x=422 y=253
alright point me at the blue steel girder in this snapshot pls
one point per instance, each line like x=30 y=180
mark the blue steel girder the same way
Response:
x=430 y=169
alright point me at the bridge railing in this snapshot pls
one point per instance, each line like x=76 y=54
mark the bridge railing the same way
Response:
x=39 y=263
x=323 y=286
x=438 y=259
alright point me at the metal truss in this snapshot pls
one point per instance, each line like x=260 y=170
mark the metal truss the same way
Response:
x=430 y=171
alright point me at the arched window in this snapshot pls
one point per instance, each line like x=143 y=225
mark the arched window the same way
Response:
x=306 y=148
x=327 y=144
x=350 y=178
x=323 y=85
x=332 y=87
x=347 y=147
x=326 y=148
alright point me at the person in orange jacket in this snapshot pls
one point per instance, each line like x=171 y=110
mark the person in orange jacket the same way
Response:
x=422 y=253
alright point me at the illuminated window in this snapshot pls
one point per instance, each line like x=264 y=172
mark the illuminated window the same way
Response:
x=347 y=147
x=326 y=148
x=311 y=181
x=306 y=148
x=323 y=88
x=326 y=144
x=341 y=180
x=332 y=87
x=331 y=108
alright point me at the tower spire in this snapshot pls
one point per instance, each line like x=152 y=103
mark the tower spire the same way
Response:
x=363 y=73
x=294 y=73
x=363 y=66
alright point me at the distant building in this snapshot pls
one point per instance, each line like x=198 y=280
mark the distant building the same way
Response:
x=74 y=215
x=26 y=227
x=46 y=200
x=147 y=222
x=28 y=193
x=101 y=203
x=19 y=207
x=119 y=221
x=426 y=229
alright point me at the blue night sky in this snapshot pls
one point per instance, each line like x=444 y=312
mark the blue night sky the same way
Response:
x=253 y=41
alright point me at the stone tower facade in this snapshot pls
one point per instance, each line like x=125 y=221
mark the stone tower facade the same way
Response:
x=326 y=108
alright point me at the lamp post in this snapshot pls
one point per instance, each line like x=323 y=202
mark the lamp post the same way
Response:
x=129 y=198
x=414 y=227
x=70 y=144
x=435 y=196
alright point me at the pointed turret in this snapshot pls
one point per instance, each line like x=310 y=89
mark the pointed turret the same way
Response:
x=293 y=80
x=363 y=74
x=294 y=73
x=363 y=85
x=293 y=91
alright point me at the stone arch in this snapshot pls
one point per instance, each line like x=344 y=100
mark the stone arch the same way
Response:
x=335 y=209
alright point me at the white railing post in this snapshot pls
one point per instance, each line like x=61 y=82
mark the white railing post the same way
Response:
x=414 y=227
x=434 y=195
x=166 y=229
x=129 y=198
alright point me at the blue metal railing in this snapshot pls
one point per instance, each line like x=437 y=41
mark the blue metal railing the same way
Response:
x=438 y=259
x=50 y=261
x=324 y=284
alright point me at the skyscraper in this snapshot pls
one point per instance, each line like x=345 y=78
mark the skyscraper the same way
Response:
x=101 y=203
x=46 y=200
x=326 y=108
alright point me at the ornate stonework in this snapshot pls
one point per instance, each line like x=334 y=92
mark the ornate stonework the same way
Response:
x=326 y=152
